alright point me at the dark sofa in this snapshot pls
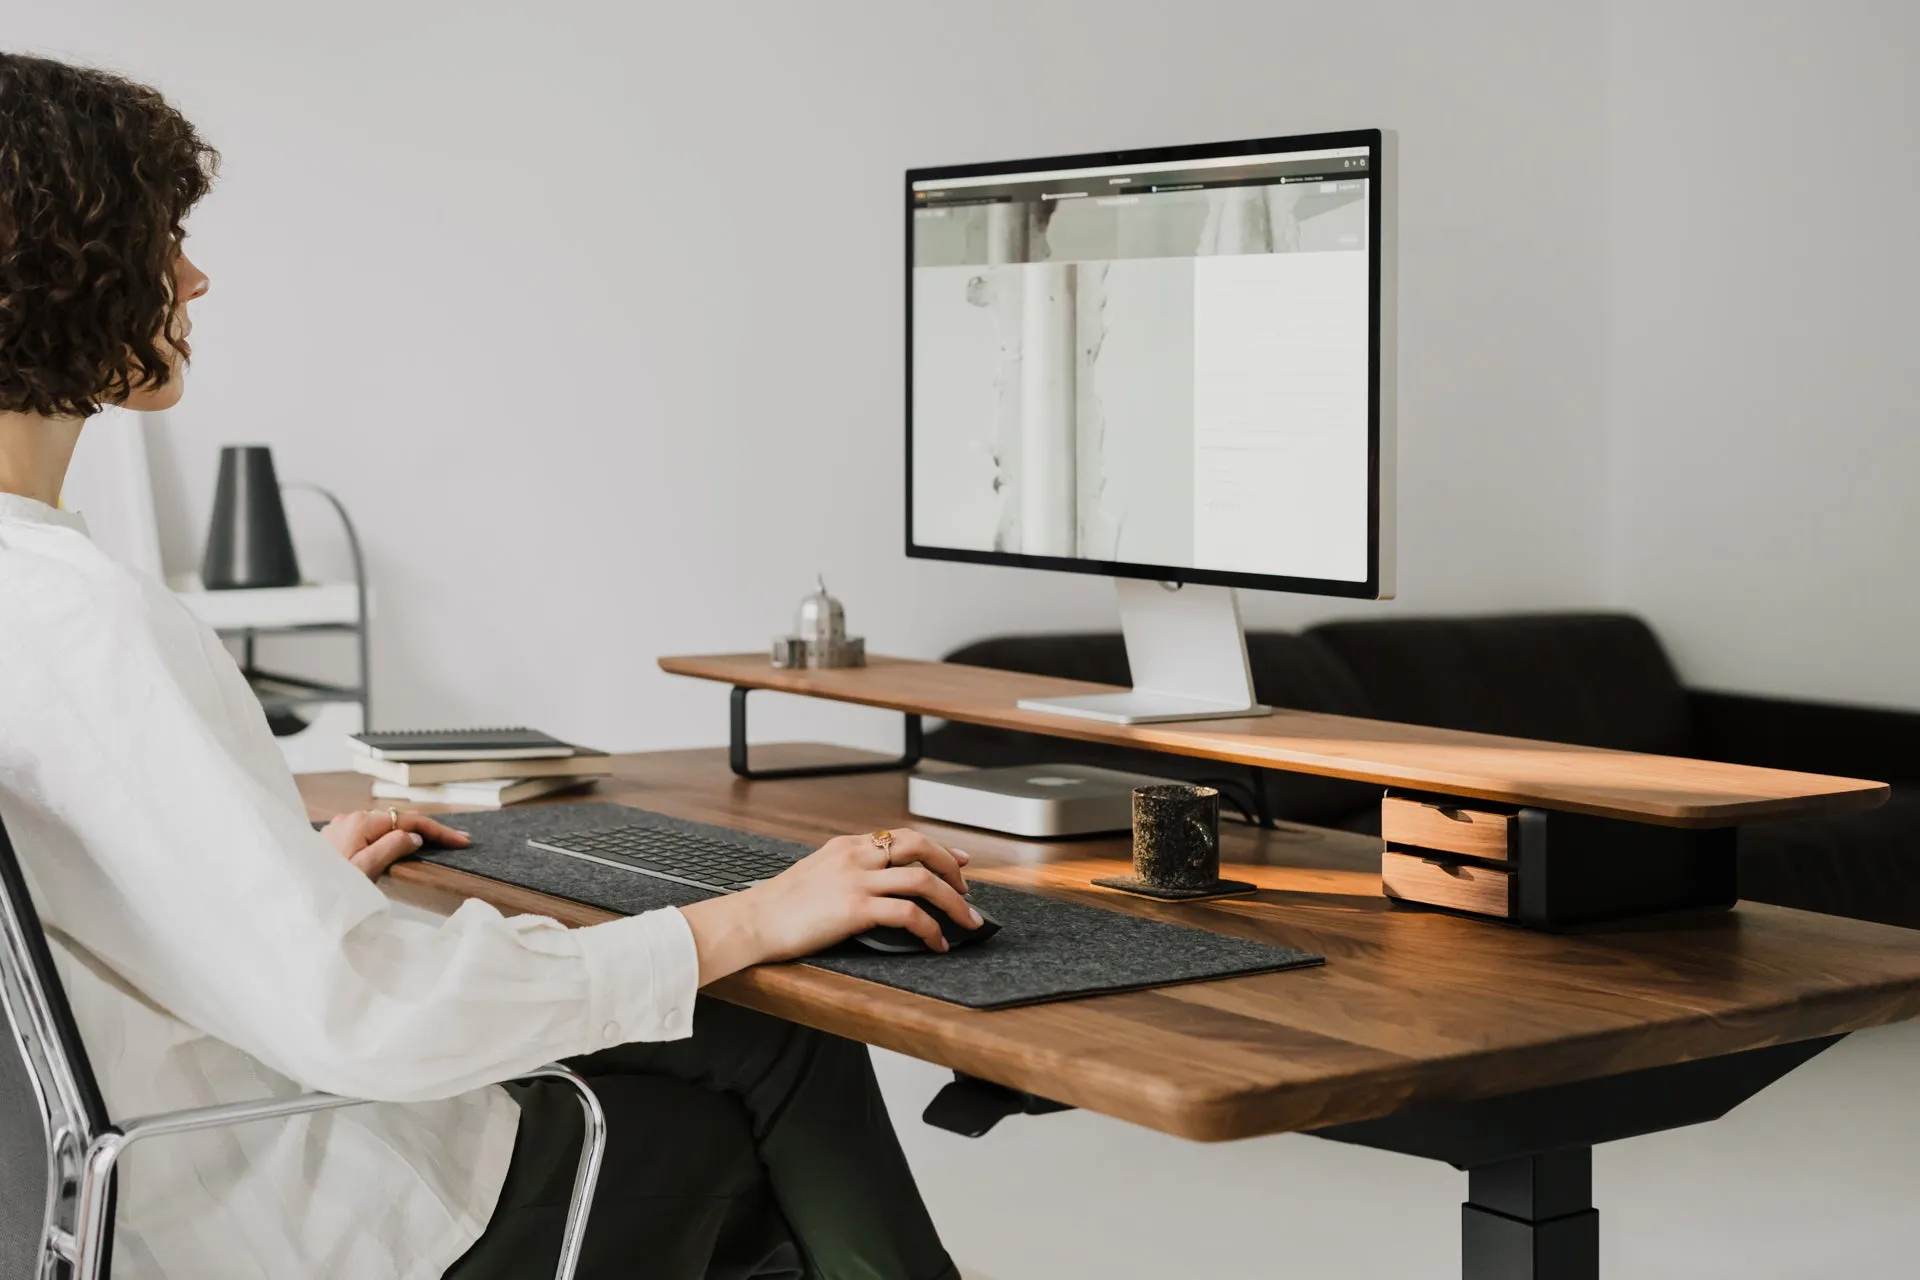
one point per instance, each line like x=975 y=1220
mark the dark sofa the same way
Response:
x=1592 y=679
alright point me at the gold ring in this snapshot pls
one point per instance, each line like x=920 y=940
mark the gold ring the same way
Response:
x=883 y=841
x=393 y=816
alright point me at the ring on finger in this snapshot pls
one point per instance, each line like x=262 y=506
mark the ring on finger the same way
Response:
x=393 y=816
x=883 y=841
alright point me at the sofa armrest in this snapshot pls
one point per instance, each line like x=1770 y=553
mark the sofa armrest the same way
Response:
x=1813 y=737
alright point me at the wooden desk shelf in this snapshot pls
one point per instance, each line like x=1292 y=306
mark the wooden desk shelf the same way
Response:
x=1598 y=834
x=1664 y=790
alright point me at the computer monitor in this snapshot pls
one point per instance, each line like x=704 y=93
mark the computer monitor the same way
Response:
x=1171 y=366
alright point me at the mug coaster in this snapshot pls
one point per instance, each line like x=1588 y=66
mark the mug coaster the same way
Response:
x=1218 y=889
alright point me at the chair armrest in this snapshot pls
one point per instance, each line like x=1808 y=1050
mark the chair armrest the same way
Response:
x=92 y=1215
x=89 y=1243
x=1814 y=737
x=172 y=1122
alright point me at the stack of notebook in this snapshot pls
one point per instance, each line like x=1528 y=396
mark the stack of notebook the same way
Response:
x=482 y=767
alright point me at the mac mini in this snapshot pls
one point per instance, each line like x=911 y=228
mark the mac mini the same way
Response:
x=1045 y=800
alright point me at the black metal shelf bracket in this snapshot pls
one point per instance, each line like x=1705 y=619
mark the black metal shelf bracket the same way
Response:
x=737 y=750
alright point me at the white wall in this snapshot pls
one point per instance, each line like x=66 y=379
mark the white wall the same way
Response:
x=492 y=277
x=591 y=312
x=1762 y=271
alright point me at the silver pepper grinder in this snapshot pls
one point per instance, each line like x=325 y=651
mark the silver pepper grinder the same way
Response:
x=819 y=636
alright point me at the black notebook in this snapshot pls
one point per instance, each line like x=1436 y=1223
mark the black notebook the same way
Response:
x=416 y=745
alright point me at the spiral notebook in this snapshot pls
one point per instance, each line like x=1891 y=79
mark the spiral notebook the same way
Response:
x=416 y=745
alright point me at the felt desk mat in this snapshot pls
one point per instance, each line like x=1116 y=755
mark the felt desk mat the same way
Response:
x=1046 y=949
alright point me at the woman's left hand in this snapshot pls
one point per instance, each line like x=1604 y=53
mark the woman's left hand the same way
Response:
x=375 y=839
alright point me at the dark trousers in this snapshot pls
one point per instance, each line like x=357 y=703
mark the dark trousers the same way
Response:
x=757 y=1148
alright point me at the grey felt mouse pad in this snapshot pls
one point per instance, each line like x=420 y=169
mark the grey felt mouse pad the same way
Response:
x=1046 y=949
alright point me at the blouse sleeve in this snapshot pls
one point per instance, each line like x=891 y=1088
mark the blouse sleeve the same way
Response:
x=171 y=855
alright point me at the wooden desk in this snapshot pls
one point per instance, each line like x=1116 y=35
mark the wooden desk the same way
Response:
x=1412 y=1007
x=1500 y=1050
x=1477 y=1043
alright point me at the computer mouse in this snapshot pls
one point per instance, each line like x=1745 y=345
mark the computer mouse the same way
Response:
x=906 y=942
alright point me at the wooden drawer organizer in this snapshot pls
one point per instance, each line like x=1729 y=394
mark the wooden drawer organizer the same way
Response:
x=1448 y=855
x=1544 y=868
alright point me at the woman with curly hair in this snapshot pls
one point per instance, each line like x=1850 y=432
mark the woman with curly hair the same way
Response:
x=217 y=949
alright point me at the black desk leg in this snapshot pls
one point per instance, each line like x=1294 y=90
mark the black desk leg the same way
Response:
x=737 y=750
x=1531 y=1218
x=1529 y=1213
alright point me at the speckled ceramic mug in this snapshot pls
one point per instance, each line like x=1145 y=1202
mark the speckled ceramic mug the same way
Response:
x=1176 y=836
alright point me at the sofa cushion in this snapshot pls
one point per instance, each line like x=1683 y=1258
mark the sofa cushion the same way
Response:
x=1598 y=680
x=1864 y=865
x=1288 y=671
x=1100 y=656
x=1811 y=737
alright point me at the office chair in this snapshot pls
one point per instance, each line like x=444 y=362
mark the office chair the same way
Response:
x=58 y=1149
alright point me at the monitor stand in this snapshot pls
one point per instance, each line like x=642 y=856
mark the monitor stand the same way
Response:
x=1188 y=655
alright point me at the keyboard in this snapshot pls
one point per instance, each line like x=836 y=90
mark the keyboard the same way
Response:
x=684 y=857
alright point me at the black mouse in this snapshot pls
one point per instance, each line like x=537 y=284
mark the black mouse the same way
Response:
x=906 y=942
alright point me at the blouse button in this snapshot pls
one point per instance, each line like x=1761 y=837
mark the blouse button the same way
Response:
x=612 y=1032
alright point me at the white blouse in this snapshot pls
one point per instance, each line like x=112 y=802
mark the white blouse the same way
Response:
x=217 y=949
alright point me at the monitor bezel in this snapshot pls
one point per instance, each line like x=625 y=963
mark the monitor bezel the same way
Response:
x=1378 y=170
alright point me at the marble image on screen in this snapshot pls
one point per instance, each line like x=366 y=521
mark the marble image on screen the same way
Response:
x=1053 y=409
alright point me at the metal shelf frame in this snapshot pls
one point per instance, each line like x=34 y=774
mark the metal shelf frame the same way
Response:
x=301 y=691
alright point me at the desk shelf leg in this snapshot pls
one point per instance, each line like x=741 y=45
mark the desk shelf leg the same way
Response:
x=737 y=750
x=1531 y=1218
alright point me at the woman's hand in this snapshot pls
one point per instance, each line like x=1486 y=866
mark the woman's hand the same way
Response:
x=375 y=839
x=850 y=884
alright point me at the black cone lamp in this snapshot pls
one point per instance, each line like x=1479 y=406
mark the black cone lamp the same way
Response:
x=249 y=544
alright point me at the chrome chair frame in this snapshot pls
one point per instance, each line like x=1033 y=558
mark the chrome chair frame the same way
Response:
x=84 y=1147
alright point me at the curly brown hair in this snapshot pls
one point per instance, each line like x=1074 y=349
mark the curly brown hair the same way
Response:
x=97 y=173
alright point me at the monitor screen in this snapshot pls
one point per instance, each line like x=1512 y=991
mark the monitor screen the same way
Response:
x=1152 y=364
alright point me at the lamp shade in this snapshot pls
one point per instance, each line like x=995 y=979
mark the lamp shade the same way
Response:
x=248 y=544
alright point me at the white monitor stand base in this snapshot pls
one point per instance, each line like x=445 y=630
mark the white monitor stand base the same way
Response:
x=1188 y=655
